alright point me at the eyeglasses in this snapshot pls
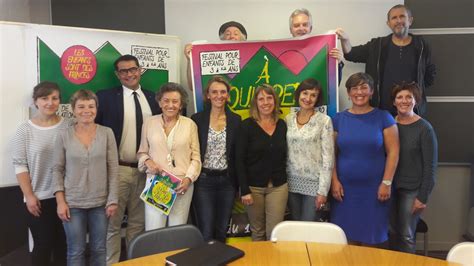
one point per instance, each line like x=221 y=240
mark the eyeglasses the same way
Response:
x=361 y=87
x=132 y=70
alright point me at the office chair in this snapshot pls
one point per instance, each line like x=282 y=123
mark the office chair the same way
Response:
x=422 y=228
x=462 y=253
x=321 y=232
x=164 y=239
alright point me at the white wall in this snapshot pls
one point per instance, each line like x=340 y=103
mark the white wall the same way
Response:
x=29 y=11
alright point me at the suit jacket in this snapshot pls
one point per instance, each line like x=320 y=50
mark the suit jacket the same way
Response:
x=110 y=111
x=202 y=120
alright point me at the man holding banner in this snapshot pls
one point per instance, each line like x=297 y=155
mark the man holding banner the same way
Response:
x=301 y=24
x=397 y=57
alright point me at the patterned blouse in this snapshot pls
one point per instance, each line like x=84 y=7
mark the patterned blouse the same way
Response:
x=215 y=157
x=310 y=155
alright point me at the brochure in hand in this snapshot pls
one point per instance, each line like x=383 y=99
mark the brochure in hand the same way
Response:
x=159 y=191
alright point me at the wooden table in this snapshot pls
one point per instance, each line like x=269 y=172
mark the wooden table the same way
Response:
x=335 y=254
x=301 y=253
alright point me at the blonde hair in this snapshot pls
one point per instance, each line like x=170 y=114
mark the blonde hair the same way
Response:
x=268 y=89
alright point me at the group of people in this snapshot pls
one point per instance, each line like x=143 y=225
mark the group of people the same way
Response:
x=375 y=169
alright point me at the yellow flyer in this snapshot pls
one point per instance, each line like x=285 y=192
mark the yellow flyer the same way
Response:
x=160 y=193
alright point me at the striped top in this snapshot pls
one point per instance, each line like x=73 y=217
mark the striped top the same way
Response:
x=33 y=148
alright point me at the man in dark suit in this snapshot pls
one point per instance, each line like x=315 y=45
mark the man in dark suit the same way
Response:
x=124 y=109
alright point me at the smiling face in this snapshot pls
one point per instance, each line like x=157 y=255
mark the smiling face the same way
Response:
x=300 y=25
x=85 y=111
x=265 y=103
x=218 y=95
x=48 y=105
x=170 y=104
x=404 y=102
x=360 y=95
x=399 y=22
x=129 y=74
x=308 y=99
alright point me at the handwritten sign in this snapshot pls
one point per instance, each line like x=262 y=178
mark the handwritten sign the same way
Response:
x=220 y=62
x=78 y=64
x=65 y=110
x=151 y=57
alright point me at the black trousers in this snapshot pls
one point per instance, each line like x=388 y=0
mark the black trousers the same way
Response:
x=48 y=235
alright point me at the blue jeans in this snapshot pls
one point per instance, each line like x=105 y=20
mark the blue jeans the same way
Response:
x=302 y=207
x=96 y=221
x=213 y=200
x=402 y=229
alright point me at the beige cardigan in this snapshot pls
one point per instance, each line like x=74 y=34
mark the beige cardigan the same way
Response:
x=185 y=148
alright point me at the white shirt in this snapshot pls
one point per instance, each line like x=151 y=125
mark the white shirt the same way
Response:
x=127 y=148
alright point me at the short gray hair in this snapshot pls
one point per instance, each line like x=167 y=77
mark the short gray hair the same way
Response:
x=301 y=11
x=83 y=95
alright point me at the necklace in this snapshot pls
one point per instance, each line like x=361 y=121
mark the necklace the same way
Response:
x=304 y=123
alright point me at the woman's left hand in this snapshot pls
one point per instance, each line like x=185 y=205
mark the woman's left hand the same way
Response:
x=183 y=187
x=111 y=210
x=320 y=202
x=384 y=192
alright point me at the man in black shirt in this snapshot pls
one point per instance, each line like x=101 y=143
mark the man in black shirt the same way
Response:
x=392 y=59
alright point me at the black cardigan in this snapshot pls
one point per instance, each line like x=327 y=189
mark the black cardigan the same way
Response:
x=261 y=157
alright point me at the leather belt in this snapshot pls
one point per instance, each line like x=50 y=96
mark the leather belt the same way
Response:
x=133 y=165
x=212 y=172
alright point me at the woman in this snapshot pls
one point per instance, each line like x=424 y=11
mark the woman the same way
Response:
x=33 y=147
x=367 y=154
x=415 y=175
x=215 y=189
x=310 y=153
x=261 y=163
x=85 y=177
x=170 y=142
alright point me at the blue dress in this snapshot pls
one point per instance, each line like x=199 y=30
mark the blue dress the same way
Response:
x=360 y=167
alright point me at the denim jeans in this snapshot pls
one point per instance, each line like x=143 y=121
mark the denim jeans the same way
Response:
x=96 y=221
x=402 y=229
x=212 y=201
x=302 y=207
x=48 y=235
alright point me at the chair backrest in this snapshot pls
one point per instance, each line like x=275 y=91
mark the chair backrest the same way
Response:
x=164 y=239
x=321 y=232
x=462 y=253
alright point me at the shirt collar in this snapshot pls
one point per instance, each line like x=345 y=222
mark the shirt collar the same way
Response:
x=129 y=92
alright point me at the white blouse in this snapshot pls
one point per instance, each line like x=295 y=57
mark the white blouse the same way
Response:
x=310 y=155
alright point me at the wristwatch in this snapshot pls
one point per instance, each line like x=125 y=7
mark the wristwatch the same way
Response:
x=387 y=182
